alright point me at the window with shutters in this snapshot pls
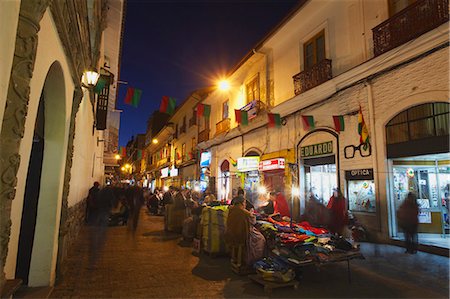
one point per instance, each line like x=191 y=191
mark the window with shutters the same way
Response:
x=314 y=50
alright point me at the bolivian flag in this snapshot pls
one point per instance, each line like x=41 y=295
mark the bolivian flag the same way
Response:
x=362 y=130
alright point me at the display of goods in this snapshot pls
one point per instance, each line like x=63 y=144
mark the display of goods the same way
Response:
x=213 y=223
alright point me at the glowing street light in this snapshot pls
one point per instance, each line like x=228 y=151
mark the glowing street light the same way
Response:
x=155 y=141
x=127 y=166
x=123 y=168
x=90 y=78
x=117 y=157
x=262 y=190
x=224 y=85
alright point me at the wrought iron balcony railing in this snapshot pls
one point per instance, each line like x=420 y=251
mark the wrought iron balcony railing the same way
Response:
x=203 y=135
x=310 y=78
x=223 y=126
x=409 y=23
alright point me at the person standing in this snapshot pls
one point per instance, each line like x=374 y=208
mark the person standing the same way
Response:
x=90 y=203
x=408 y=221
x=338 y=211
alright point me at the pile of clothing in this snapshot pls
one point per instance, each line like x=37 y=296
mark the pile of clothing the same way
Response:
x=274 y=269
x=301 y=243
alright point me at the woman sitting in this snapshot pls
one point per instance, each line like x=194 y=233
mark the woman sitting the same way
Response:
x=240 y=232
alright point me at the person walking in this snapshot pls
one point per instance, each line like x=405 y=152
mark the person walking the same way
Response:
x=90 y=203
x=338 y=211
x=408 y=221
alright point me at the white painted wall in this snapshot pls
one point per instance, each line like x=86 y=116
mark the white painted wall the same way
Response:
x=9 y=17
x=45 y=246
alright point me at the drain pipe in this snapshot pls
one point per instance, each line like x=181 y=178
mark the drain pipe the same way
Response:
x=374 y=148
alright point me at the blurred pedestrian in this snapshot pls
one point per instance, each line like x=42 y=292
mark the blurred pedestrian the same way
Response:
x=408 y=221
x=103 y=204
x=338 y=212
x=90 y=202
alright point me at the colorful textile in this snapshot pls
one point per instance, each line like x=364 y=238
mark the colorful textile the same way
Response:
x=281 y=206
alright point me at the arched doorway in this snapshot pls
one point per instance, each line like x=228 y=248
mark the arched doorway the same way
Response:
x=224 y=181
x=318 y=160
x=37 y=248
x=417 y=146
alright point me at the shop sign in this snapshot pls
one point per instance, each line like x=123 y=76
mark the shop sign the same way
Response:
x=164 y=172
x=173 y=172
x=359 y=174
x=205 y=159
x=247 y=163
x=271 y=164
x=319 y=149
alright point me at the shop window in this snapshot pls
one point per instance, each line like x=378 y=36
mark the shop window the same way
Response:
x=422 y=121
x=252 y=89
x=314 y=50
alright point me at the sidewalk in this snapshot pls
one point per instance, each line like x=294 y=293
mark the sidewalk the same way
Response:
x=154 y=264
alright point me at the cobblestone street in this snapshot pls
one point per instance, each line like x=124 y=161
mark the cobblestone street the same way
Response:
x=152 y=263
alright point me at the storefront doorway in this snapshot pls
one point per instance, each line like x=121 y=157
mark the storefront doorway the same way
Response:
x=319 y=166
x=419 y=161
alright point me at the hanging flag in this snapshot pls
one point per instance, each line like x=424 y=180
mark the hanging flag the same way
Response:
x=206 y=110
x=122 y=151
x=101 y=83
x=339 y=124
x=274 y=120
x=241 y=117
x=167 y=105
x=308 y=122
x=233 y=162
x=129 y=96
x=200 y=109
x=362 y=130
x=178 y=155
x=133 y=96
x=139 y=154
x=136 y=97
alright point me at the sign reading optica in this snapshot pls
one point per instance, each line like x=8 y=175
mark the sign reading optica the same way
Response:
x=247 y=163
x=271 y=164
x=205 y=159
x=319 y=149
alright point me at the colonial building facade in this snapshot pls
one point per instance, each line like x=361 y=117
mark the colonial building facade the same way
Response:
x=382 y=61
x=51 y=147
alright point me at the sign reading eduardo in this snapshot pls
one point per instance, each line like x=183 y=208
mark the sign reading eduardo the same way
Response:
x=324 y=148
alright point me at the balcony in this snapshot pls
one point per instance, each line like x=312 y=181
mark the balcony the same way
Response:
x=408 y=24
x=203 y=136
x=192 y=121
x=318 y=74
x=222 y=126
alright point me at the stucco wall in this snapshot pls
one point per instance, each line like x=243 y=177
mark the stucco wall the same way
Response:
x=48 y=36
x=9 y=16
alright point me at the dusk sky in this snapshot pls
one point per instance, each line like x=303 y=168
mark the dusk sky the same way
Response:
x=174 y=47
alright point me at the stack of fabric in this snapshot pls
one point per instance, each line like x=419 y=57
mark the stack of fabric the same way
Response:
x=213 y=223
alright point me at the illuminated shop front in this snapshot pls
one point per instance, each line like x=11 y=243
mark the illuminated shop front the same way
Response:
x=205 y=173
x=419 y=162
x=273 y=171
x=248 y=167
x=361 y=190
x=319 y=164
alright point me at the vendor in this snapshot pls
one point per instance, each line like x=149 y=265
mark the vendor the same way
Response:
x=241 y=232
x=277 y=203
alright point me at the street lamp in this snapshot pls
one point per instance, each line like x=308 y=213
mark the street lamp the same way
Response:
x=155 y=141
x=117 y=157
x=89 y=78
x=224 y=85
